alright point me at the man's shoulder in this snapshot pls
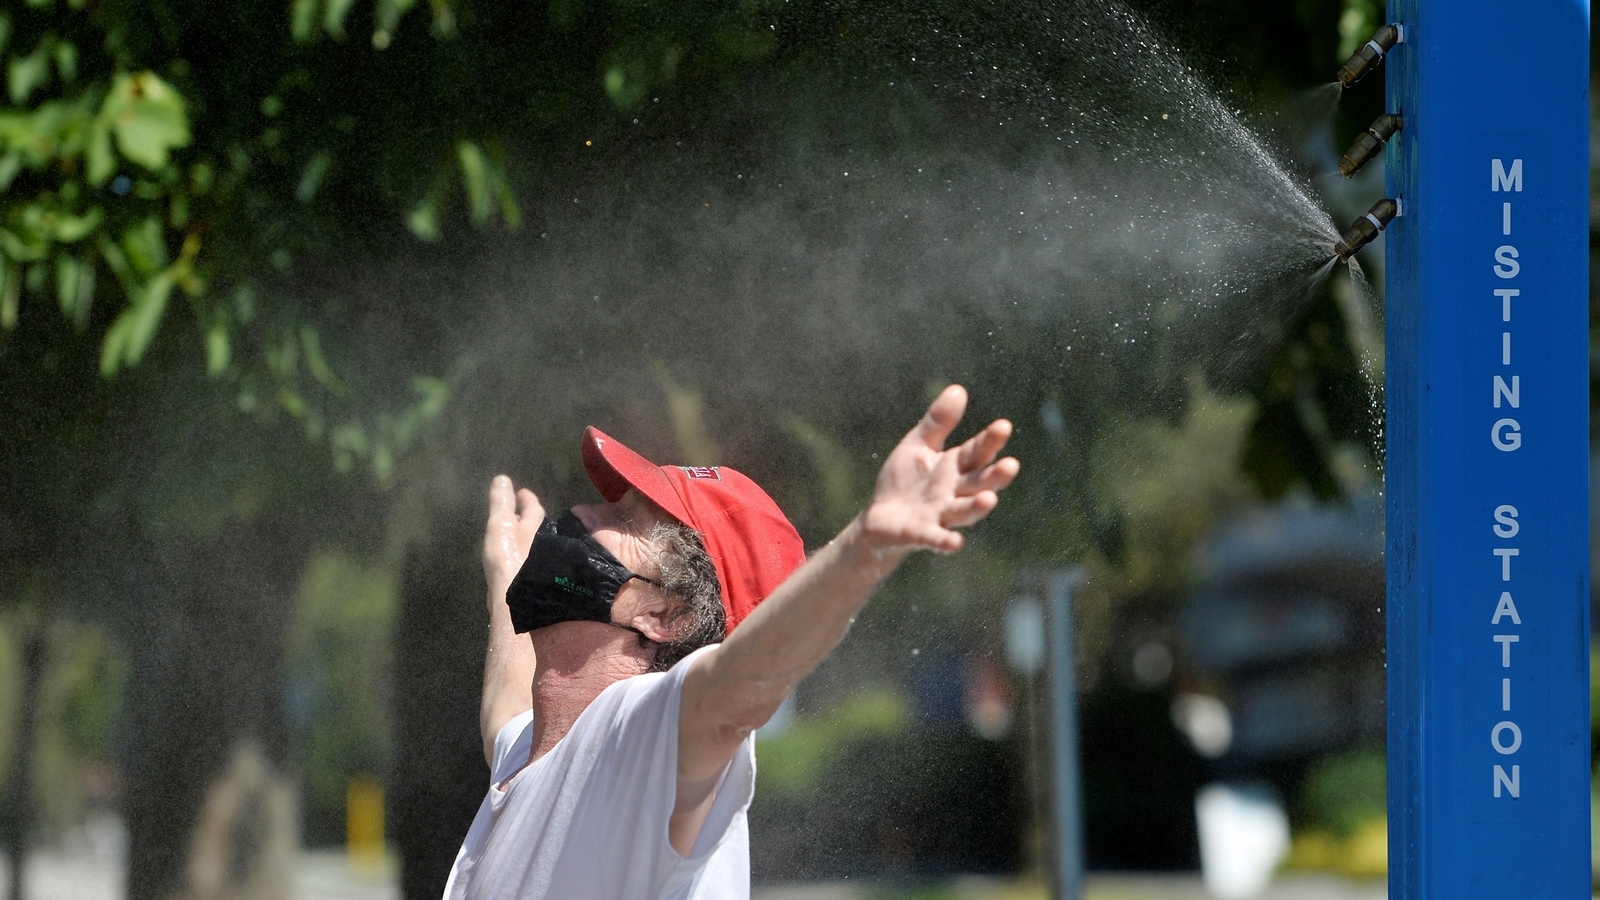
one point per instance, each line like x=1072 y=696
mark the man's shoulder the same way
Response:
x=651 y=692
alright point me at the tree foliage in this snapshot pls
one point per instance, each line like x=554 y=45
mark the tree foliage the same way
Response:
x=167 y=166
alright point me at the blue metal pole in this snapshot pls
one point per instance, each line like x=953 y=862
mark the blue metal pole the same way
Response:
x=1487 y=451
x=1059 y=587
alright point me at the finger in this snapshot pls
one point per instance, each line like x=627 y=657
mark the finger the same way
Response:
x=528 y=505
x=996 y=476
x=937 y=539
x=981 y=449
x=942 y=417
x=965 y=511
x=502 y=500
x=530 y=512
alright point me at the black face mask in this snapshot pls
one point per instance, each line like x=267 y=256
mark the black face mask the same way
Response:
x=567 y=577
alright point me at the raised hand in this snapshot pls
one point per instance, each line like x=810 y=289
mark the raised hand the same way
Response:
x=514 y=516
x=925 y=492
x=509 y=663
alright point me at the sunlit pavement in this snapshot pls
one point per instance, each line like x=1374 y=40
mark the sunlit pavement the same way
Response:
x=61 y=875
x=1099 y=887
x=58 y=875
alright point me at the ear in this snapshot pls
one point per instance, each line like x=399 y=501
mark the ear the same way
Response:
x=651 y=610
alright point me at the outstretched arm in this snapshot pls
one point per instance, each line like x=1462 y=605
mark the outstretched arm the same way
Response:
x=923 y=493
x=508 y=665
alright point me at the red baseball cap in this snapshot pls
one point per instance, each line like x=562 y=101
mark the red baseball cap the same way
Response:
x=750 y=541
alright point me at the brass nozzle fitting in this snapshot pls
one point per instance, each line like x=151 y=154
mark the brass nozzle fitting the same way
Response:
x=1371 y=53
x=1370 y=143
x=1366 y=229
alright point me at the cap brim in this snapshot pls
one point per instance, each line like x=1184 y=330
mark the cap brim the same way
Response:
x=613 y=468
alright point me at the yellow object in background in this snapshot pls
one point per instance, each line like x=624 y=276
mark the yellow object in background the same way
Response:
x=1363 y=854
x=364 y=824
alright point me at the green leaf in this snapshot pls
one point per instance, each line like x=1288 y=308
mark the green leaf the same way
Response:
x=283 y=359
x=5 y=31
x=85 y=299
x=510 y=212
x=178 y=211
x=147 y=118
x=500 y=186
x=101 y=161
x=388 y=13
x=311 y=176
x=444 y=18
x=131 y=332
x=146 y=315
x=318 y=364
x=22 y=134
x=68 y=275
x=1357 y=21
x=218 y=350
x=475 y=177
x=302 y=20
x=349 y=442
x=146 y=246
x=10 y=295
x=433 y=393
x=116 y=260
x=10 y=165
x=333 y=17
x=113 y=344
x=423 y=221
x=71 y=229
x=28 y=73
x=616 y=82
x=383 y=461
x=66 y=61
x=292 y=403
x=201 y=175
x=20 y=248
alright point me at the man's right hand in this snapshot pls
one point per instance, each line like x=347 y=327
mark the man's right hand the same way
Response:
x=926 y=492
x=514 y=517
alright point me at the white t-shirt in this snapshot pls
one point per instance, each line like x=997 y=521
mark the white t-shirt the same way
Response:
x=588 y=820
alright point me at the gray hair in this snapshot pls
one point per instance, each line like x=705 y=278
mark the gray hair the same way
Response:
x=685 y=572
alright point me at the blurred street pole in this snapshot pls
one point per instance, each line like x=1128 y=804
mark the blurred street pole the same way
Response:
x=18 y=820
x=1068 y=844
x=1025 y=653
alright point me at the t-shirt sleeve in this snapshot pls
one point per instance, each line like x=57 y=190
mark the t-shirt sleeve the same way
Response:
x=734 y=793
x=511 y=747
x=644 y=745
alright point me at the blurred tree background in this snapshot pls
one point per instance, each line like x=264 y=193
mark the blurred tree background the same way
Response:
x=280 y=289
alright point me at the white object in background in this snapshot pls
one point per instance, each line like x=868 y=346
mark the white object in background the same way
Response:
x=1025 y=634
x=1244 y=834
x=1205 y=721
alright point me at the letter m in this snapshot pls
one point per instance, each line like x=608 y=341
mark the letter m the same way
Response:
x=1501 y=180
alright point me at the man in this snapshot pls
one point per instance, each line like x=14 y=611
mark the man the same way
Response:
x=614 y=772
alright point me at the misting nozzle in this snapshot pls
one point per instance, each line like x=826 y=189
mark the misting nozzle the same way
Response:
x=1371 y=53
x=1370 y=144
x=1366 y=229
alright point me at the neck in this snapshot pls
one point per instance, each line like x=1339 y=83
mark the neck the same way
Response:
x=576 y=661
